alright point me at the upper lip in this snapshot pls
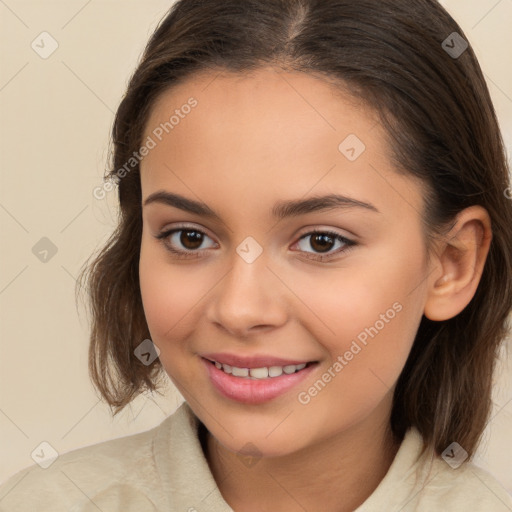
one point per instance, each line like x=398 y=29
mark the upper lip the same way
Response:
x=255 y=361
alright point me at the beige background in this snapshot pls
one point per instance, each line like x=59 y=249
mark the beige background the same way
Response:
x=55 y=116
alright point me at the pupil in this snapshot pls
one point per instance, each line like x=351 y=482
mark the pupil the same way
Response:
x=323 y=241
x=191 y=239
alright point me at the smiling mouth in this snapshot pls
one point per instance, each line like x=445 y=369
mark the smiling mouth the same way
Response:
x=264 y=372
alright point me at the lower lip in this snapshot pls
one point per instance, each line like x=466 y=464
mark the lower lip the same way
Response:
x=254 y=391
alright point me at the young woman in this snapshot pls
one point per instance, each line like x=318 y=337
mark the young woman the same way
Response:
x=314 y=244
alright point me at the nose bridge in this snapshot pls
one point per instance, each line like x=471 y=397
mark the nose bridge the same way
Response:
x=247 y=296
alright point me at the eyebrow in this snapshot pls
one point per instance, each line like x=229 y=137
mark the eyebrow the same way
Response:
x=281 y=210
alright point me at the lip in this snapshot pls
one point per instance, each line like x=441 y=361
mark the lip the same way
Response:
x=255 y=391
x=256 y=361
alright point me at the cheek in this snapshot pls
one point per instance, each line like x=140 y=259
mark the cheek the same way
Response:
x=374 y=330
x=370 y=315
x=168 y=293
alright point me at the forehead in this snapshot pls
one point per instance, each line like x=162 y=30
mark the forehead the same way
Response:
x=266 y=131
x=267 y=99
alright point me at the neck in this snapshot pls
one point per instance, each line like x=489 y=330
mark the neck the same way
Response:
x=336 y=474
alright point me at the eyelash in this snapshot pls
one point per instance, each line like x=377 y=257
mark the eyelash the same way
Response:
x=189 y=254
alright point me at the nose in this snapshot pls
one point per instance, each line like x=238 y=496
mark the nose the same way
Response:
x=249 y=298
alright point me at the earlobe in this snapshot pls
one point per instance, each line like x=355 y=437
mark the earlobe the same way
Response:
x=460 y=261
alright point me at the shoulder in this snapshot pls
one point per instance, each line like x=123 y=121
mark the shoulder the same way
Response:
x=107 y=472
x=467 y=487
x=422 y=482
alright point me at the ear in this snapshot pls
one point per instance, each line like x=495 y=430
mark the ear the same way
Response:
x=459 y=263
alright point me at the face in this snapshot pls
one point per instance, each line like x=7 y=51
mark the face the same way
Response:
x=252 y=280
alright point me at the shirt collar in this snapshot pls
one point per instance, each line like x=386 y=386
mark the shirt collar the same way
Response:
x=189 y=484
x=186 y=476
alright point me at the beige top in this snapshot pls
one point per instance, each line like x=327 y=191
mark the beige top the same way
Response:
x=164 y=469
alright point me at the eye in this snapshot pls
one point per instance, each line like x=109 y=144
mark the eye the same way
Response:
x=322 y=243
x=188 y=242
x=184 y=241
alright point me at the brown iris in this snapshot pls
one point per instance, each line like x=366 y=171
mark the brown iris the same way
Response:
x=191 y=239
x=321 y=242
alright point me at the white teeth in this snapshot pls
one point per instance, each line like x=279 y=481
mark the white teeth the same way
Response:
x=275 y=371
x=240 y=372
x=260 y=373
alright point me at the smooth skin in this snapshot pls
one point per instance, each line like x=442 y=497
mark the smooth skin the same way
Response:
x=252 y=141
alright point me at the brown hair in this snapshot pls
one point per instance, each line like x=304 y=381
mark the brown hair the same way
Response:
x=442 y=128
